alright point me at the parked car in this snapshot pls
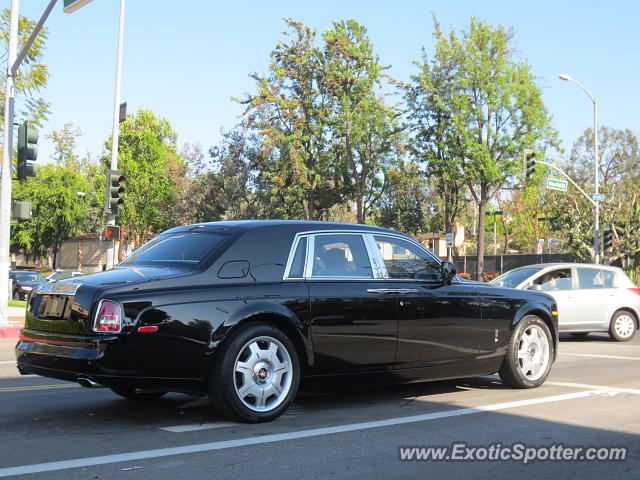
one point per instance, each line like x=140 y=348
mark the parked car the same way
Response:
x=23 y=282
x=242 y=310
x=591 y=298
x=62 y=275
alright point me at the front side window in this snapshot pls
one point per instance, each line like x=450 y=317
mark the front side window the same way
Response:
x=555 y=280
x=514 y=278
x=184 y=250
x=340 y=255
x=403 y=260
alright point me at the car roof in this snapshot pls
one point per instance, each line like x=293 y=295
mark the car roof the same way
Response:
x=567 y=264
x=298 y=225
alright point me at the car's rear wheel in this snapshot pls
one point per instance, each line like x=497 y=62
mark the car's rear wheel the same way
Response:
x=527 y=362
x=623 y=326
x=256 y=375
x=579 y=334
x=137 y=393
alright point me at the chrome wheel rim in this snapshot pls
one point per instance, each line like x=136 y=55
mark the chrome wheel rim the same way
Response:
x=533 y=352
x=624 y=326
x=263 y=373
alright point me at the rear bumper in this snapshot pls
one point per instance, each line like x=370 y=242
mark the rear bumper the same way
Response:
x=87 y=357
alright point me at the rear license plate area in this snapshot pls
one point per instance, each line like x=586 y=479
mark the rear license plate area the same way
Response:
x=52 y=306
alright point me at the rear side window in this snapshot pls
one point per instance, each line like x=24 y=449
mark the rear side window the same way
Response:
x=184 y=250
x=297 y=264
x=341 y=255
x=590 y=278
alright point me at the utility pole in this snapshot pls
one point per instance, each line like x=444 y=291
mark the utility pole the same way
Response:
x=111 y=219
x=7 y=154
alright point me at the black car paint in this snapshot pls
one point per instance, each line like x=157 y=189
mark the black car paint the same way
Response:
x=465 y=326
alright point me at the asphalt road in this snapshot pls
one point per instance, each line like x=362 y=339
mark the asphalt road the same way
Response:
x=56 y=430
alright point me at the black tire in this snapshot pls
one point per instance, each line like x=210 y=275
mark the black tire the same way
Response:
x=623 y=326
x=137 y=393
x=281 y=369
x=579 y=334
x=511 y=371
x=16 y=295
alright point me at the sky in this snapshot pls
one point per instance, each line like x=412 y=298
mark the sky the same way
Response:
x=185 y=60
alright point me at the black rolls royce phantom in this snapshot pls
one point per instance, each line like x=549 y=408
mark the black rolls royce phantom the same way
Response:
x=243 y=310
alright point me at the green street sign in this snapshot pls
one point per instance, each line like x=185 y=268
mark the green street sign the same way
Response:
x=555 y=184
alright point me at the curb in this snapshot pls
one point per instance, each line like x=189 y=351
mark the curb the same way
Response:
x=12 y=331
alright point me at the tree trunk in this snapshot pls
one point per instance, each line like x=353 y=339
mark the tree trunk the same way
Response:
x=482 y=207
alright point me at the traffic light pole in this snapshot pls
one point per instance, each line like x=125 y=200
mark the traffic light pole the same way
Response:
x=7 y=151
x=111 y=219
x=13 y=64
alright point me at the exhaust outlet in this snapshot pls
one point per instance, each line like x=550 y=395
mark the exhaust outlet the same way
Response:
x=88 y=382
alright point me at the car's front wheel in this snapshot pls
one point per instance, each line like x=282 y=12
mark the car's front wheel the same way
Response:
x=529 y=355
x=256 y=375
x=16 y=295
x=623 y=326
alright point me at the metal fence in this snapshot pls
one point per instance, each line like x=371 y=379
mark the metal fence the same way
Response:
x=504 y=263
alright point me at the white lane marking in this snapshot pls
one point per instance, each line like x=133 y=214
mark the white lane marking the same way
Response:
x=36 y=387
x=8 y=361
x=594 y=355
x=634 y=391
x=198 y=426
x=279 y=437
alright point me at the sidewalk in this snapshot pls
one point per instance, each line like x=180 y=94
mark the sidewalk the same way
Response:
x=16 y=322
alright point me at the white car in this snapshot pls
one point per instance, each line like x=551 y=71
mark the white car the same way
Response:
x=590 y=298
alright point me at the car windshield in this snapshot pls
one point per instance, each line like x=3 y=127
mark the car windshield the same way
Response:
x=514 y=277
x=29 y=277
x=185 y=250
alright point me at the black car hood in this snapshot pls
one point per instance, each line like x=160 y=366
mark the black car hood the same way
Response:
x=127 y=275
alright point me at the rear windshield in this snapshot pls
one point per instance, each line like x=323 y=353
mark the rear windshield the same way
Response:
x=185 y=250
x=514 y=277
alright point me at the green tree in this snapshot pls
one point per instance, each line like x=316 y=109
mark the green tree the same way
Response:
x=289 y=111
x=64 y=141
x=496 y=111
x=430 y=101
x=619 y=162
x=58 y=211
x=404 y=206
x=364 y=129
x=32 y=74
x=151 y=163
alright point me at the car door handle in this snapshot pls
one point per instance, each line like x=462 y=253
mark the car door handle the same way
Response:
x=392 y=290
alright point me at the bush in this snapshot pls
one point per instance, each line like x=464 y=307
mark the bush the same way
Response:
x=488 y=276
x=465 y=275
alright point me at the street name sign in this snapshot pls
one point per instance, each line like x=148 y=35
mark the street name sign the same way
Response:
x=555 y=184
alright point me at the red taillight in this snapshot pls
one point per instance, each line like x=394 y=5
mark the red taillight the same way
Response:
x=635 y=290
x=109 y=317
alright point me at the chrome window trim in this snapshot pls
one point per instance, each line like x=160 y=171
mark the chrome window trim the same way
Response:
x=292 y=253
x=378 y=269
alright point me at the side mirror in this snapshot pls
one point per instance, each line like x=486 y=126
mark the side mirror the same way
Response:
x=535 y=287
x=448 y=271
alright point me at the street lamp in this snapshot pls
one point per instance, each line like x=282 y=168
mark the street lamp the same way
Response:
x=596 y=195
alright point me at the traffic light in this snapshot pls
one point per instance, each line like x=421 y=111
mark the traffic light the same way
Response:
x=27 y=150
x=114 y=192
x=529 y=163
x=112 y=232
x=607 y=239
